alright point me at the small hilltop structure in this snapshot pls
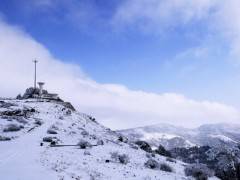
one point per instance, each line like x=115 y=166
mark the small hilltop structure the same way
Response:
x=38 y=92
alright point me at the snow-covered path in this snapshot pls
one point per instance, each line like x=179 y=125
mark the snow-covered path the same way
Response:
x=19 y=159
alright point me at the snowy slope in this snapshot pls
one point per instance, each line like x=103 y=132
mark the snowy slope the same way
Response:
x=22 y=157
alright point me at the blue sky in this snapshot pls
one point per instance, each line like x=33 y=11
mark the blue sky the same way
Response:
x=185 y=47
x=139 y=59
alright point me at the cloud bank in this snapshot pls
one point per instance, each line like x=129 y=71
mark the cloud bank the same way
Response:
x=114 y=105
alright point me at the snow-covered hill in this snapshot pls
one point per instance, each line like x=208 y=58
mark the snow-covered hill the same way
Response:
x=47 y=140
x=215 y=135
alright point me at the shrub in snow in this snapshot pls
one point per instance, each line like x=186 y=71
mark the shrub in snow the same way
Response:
x=165 y=167
x=121 y=158
x=12 y=127
x=54 y=142
x=49 y=139
x=100 y=142
x=20 y=120
x=152 y=164
x=171 y=160
x=87 y=153
x=6 y=104
x=123 y=139
x=198 y=171
x=91 y=118
x=19 y=96
x=68 y=112
x=84 y=133
x=69 y=106
x=51 y=131
x=162 y=151
x=3 y=138
x=144 y=146
x=54 y=127
x=150 y=155
x=133 y=146
x=83 y=144
x=38 y=122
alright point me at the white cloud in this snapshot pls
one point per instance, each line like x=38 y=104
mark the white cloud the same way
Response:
x=114 y=105
x=160 y=13
x=220 y=18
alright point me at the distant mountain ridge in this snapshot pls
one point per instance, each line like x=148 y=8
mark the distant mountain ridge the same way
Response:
x=174 y=136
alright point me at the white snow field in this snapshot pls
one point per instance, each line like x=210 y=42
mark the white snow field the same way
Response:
x=23 y=158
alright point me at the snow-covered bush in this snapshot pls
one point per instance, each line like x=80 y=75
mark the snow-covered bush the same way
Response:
x=84 y=144
x=121 y=158
x=12 y=127
x=152 y=164
x=144 y=146
x=198 y=171
x=165 y=167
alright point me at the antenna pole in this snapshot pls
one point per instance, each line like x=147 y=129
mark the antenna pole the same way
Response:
x=35 y=73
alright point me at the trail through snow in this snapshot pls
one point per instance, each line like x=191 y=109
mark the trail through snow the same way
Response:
x=22 y=157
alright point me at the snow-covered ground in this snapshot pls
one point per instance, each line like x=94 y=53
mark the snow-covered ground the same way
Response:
x=27 y=157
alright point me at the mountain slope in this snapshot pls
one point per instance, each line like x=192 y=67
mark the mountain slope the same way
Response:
x=32 y=134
